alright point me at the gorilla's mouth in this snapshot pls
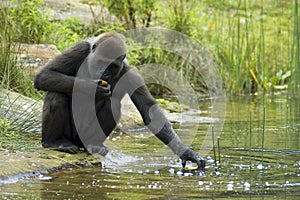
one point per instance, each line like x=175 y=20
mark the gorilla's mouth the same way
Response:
x=105 y=77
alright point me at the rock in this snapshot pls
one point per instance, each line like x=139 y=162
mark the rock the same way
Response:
x=130 y=117
x=21 y=110
x=42 y=51
x=85 y=12
x=33 y=56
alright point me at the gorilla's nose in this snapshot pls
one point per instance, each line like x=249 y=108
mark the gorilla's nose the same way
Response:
x=102 y=74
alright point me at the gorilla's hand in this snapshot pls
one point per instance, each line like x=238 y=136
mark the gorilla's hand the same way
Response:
x=88 y=86
x=97 y=149
x=102 y=90
x=194 y=157
x=101 y=93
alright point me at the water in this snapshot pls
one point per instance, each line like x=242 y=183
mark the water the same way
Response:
x=258 y=157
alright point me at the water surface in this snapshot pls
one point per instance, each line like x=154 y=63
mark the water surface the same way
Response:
x=258 y=157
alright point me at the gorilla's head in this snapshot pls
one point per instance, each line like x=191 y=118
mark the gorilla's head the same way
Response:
x=106 y=58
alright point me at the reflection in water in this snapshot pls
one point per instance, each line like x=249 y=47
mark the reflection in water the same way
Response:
x=139 y=167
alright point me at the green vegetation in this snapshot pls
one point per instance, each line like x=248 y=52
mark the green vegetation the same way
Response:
x=255 y=43
x=12 y=140
x=132 y=13
x=172 y=106
x=29 y=22
x=12 y=75
x=19 y=114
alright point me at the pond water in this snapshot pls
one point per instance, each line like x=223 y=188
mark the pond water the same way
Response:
x=256 y=157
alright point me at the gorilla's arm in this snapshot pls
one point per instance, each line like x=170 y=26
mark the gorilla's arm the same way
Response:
x=59 y=74
x=157 y=122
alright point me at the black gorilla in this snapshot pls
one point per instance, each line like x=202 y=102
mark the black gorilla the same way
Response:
x=102 y=58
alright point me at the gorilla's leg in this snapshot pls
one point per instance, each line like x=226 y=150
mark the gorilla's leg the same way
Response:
x=57 y=131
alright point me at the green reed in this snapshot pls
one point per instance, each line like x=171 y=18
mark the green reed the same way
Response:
x=214 y=147
x=263 y=134
x=263 y=143
x=264 y=69
x=295 y=51
x=285 y=143
x=219 y=151
x=250 y=146
x=254 y=44
x=250 y=133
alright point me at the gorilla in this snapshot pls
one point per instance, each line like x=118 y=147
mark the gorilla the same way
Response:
x=102 y=65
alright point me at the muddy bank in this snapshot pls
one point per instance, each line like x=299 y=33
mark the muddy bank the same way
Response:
x=19 y=165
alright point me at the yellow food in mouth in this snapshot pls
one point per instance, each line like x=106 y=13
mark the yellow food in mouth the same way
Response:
x=103 y=83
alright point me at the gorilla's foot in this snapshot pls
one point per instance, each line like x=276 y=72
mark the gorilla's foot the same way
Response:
x=63 y=147
x=72 y=149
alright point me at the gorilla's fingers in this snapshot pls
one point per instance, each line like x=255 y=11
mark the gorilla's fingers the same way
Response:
x=72 y=149
x=183 y=162
x=192 y=156
x=201 y=164
x=103 y=91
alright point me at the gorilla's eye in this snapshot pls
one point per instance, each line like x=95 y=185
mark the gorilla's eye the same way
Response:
x=94 y=47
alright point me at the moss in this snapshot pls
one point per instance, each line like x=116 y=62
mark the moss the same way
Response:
x=172 y=106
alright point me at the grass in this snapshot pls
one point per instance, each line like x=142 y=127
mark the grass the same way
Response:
x=243 y=35
x=239 y=33
x=19 y=121
x=12 y=75
x=14 y=141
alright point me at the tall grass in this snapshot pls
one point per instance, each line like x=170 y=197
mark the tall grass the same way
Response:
x=12 y=76
x=254 y=42
x=295 y=66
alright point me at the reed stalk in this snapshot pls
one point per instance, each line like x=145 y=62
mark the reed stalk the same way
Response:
x=219 y=151
x=296 y=48
x=214 y=147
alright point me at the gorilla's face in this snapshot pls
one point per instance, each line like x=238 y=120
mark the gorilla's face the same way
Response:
x=114 y=69
x=107 y=70
x=106 y=59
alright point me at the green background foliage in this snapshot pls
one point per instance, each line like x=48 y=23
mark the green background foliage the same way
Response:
x=255 y=44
